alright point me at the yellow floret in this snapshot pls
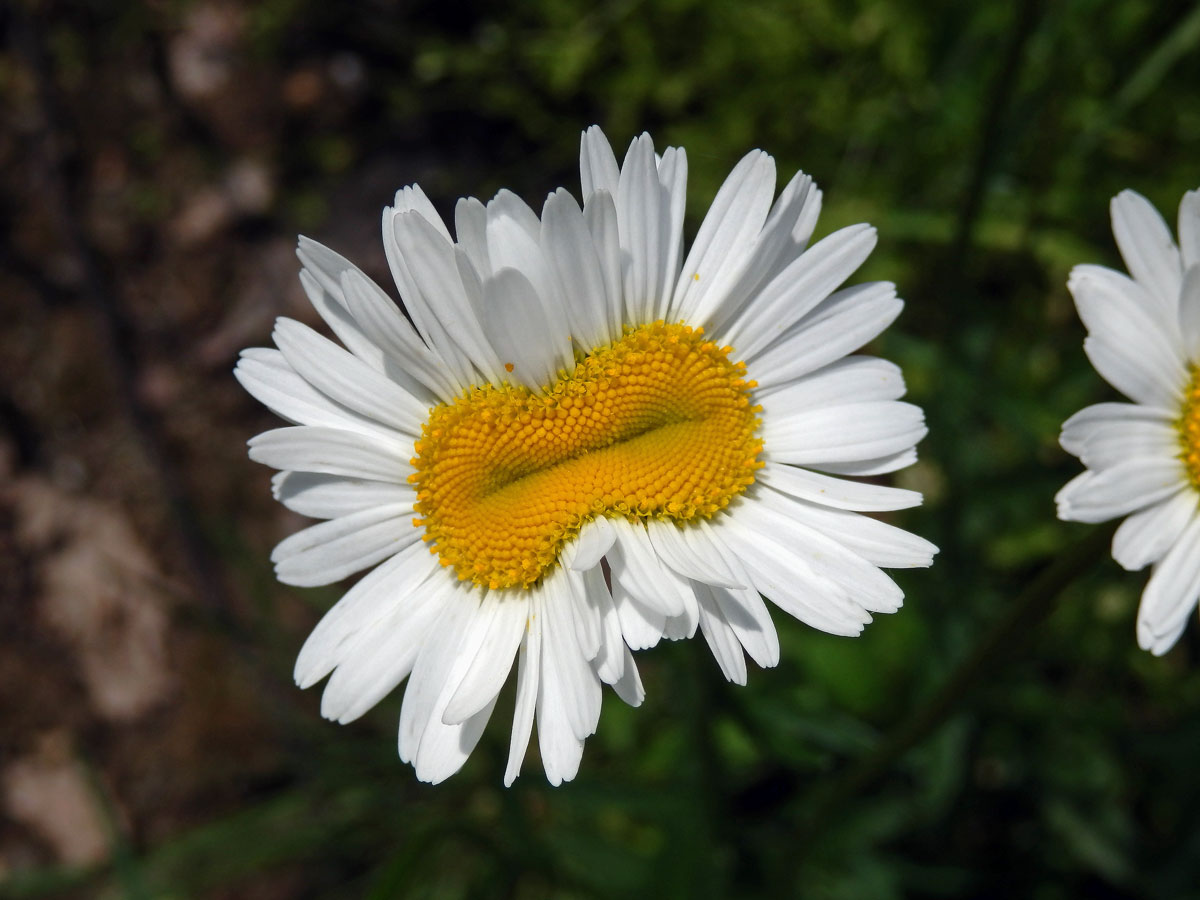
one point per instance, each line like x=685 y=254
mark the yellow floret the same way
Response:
x=658 y=424
x=1189 y=429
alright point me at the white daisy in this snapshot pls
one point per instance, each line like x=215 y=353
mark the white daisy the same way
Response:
x=583 y=442
x=1143 y=458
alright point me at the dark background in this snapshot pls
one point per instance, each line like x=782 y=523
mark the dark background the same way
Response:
x=157 y=160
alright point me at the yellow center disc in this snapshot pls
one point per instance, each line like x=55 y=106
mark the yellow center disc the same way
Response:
x=1189 y=428
x=657 y=424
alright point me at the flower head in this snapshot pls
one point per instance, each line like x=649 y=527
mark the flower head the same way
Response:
x=584 y=441
x=1143 y=458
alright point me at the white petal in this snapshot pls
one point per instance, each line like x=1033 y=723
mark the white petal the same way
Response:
x=433 y=667
x=796 y=212
x=598 y=170
x=434 y=269
x=347 y=380
x=1189 y=229
x=629 y=686
x=640 y=223
x=806 y=219
x=514 y=241
x=444 y=748
x=560 y=746
x=1160 y=643
x=400 y=580
x=723 y=243
x=562 y=659
x=561 y=750
x=1105 y=288
x=688 y=551
x=508 y=206
x=1120 y=490
x=421 y=308
x=854 y=379
x=333 y=451
x=491 y=665
x=412 y=199
x=683 y=626
x=1117 y=310
x=744 y=612
x=1078 y=429
x=1146 y=535
x=328 y=552
x=266 y=375
x=825 y=548
x=377 y=657
x=585 y=552
x=782 y=239
x=405 y=354
x=842 y=324
x=529 y=667
x=609 y=662
x=722 y=641
x=571 y=252
x=821 y=538
x=511 y=247
x=329 y=496
x=641 y=625
x=854 y=431
x=1171 y=592
x=637 y=568
x=600 y=213
x=589 y=627
x=877 y=542
x=476 y=629
x=672 y=173
x=799 y=288
x=1153 y=382
x=879 y=465
x=1189 y=313
x=790 y=582
x=1122 y=441
x=838 y=493
x=470 y=225
x=321 y=279
x=1146 y=246
x=1076 y=486
x=514 y=318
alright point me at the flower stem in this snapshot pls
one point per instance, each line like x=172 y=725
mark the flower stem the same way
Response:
x=1030 y=608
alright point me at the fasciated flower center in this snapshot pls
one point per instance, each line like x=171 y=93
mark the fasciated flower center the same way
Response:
x=1189 y=428
x=657 y=424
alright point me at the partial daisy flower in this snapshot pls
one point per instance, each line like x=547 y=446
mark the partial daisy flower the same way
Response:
x=1143 y=458
x=585 y=440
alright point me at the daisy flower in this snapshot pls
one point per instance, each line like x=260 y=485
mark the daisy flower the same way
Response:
x=1143 y=458
x=580 y=440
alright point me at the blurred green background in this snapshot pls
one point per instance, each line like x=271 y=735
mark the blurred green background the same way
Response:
x=157 y=160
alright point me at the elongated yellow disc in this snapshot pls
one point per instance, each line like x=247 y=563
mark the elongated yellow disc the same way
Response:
x=657 y=424
x=1189 y=429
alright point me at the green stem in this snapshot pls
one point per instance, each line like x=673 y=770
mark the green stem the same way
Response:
x=1021 y=618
